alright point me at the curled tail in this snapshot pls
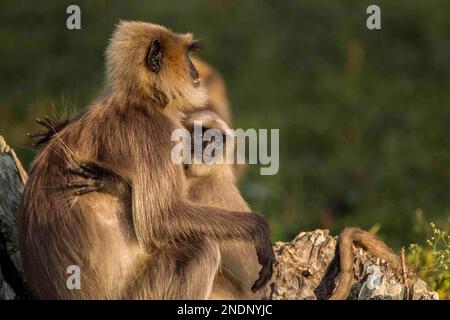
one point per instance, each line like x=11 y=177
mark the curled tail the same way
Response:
x=368 y=242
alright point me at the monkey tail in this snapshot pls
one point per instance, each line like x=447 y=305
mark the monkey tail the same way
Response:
x=368 y=242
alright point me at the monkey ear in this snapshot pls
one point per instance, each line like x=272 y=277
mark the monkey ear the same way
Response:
x=154 y=58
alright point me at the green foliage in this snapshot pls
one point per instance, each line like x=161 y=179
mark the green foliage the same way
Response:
x=432 y=260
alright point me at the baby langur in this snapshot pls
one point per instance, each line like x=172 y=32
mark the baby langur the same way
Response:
x=215 y=184
x=155 y=243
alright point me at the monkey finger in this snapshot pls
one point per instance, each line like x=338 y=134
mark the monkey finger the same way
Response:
x=83 y=173
x=96 y=170
x=37 y=134
x=80 y=184
x=266 y=258
x=93 y=169
x=41 y=141
x=85 y=190
x=44 y=124
x=49 y=121
x=259 y=283
x=100 y=186
x=264 y=276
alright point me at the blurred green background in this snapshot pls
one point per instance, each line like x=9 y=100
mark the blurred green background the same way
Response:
x=364 y=116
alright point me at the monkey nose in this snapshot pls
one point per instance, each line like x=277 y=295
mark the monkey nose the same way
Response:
x=196 y=83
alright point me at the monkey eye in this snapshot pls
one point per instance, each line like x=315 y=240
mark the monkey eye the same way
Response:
x=195 y=46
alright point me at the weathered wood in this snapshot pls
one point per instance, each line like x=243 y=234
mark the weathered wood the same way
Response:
x=12 y=180
x=306 y=268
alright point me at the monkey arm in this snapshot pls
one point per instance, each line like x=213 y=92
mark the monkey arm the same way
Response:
x=158 y=221
x=220 y=224
x=141 y=154
x=196 y=220
x=183 y=220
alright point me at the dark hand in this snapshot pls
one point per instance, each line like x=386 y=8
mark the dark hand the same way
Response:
x=52 y=128
x=96 y=178
x=266 y=257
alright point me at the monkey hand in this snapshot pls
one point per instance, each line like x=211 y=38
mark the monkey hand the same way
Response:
x=266 y=257
x=96 y=179
x=51 y=127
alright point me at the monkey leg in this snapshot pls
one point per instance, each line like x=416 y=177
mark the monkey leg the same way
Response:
x=180 y=271
x=368 y=242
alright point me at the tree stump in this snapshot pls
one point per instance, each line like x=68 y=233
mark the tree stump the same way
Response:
x=308 y=266
x=12 y=180
x=305 y=268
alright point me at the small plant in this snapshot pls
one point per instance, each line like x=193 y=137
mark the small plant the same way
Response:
x=432 y=260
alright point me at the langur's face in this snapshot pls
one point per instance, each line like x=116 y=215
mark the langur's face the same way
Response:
x=170 y=53
x=211 y=134
x=156 y=62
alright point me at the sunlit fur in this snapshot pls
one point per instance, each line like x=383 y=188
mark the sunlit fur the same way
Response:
x=217 y=91
x=128 y=77
x=215 y=185
x=218 y=101
x=165 y=247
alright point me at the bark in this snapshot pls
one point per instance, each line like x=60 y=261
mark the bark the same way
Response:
x=305 y=268
x=12 y=180
x=308 y=266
